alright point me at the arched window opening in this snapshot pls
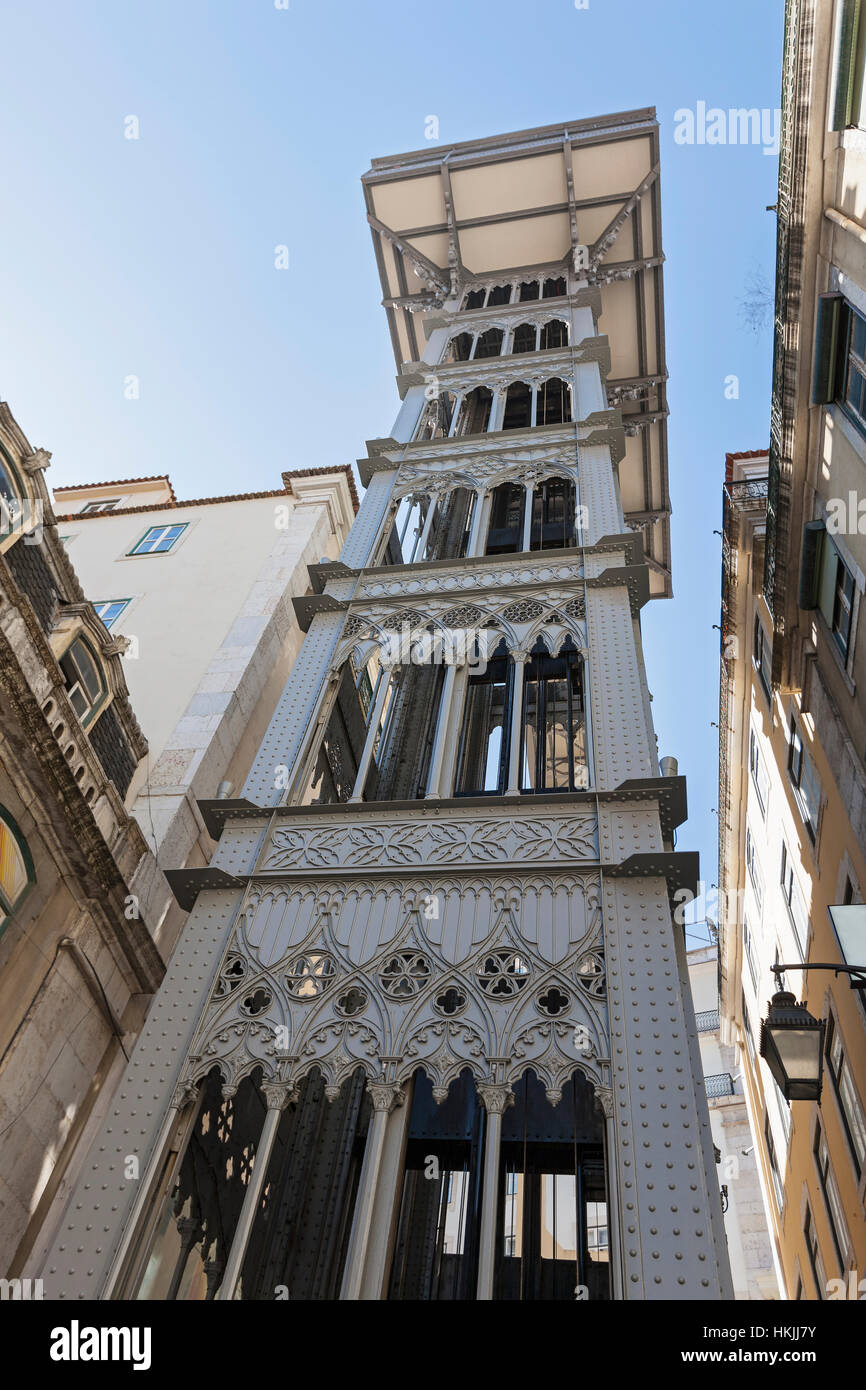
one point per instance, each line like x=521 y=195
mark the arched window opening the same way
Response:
x=405 y=532
x=85 y=683
x=475 y=299
x=525 y=338
x=554 y=334
x=490 y=343
x=16 y=867
x=436 y=420
x=436 y=1246
x=553 y=287
x=334 y=770
x=500 y=294
x=379 y=731
x=200 y=1215
x=17 y=512
x=402 y=759
x=460 y=348
x=553 y=515
x=553 y=748
x=449 y=533
x=505 y=531
x=475 y=414
x=553 y=403
x=528 y=291
x=9 y=499
x=554 y=1232
x=551 y=1234
x=518 y=407
x=482 y=757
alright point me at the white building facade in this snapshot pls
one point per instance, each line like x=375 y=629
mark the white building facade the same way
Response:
x=201 y=594
x=749 y=1247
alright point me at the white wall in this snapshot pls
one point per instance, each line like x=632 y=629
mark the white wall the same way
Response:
x=185 y=602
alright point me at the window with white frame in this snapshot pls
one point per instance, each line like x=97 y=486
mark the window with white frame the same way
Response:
x=749 y=944
x=754 y=870
x=853 y=1117
x=843 y=605
x=784 y=1111
x=794 y=901
x=832 y=1200
x=759 y=773
x=108 y=505
x=85 y=684
x=158 y=539
x=109 y=610
x=747 y=1025
x=804 y=776
x=776 y=1176
x=814 y=1251
x=763 y=656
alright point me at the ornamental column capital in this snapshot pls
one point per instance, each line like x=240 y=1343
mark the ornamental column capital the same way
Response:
x=183 y=1093
x=604 y=1101
x=385 y=1097
x=495 y=1099
x=277 y=1094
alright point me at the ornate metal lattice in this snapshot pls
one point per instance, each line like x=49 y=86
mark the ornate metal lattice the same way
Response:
x=525 y=610
x=590 y=972
x=310 y=975
x=502 y=974
x=231 y=975
x=403 y=975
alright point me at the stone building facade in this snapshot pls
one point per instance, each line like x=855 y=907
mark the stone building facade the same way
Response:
x=77 y=957
x=749 y=1247
x=793 y=717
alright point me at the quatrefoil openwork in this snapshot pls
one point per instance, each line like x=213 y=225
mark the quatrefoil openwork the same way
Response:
x=404 y=974
x=502 y=974
x=310 y=975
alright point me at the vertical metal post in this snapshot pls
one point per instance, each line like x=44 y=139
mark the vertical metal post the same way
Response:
x=276 y=1095
x=495 y=1100
x=384 y=1099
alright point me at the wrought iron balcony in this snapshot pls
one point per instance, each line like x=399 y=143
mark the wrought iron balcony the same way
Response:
x=707 y=1020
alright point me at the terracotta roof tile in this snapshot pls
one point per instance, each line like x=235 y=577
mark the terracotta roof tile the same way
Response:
x=205 y=501
x=119 y=482
x=732 y=458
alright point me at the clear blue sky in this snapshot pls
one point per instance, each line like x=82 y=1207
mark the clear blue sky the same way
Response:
x=155 y=257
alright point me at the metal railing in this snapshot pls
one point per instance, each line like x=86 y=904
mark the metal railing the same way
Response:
x=720 y=1084
x=707 y=1021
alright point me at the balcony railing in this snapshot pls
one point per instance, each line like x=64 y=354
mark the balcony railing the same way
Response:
x=720 y=1084
x=707 y=1021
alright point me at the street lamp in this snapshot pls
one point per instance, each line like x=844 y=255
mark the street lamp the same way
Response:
x=792 y=1041
x=792 y=1045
